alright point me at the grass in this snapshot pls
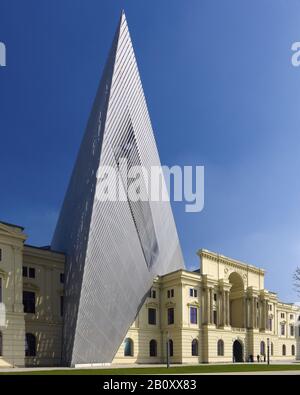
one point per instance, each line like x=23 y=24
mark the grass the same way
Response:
x=162 y=370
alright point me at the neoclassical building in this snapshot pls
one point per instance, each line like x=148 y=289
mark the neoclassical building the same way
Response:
x=218 y=313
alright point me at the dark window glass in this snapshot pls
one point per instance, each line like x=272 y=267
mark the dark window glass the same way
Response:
x=215 y=316
x=262 y=348
x=282 y=329
x=169 y=293
x=170 y=316
x=62 y=278
x=61 y=306
x=171 y=350
x=193 y=315
x=30 y=345
x=283 y=350
x=292 y=330
x=152 y=316
x=215 y=297
x=25 y=274
x=195 y=293
x=293 y=350
x=31 y=272
x=128 y=347
x=153 y=348
x=195 y=348
x=29 y=302
x=220 y=348
x=0 y=254
x=191 y=292
x=0 y=290
x=154 y=294
x=172 y=293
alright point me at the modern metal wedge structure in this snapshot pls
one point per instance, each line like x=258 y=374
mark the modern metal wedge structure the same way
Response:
x=114 y=249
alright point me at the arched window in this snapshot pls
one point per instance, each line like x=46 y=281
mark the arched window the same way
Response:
x=128 y=347
x=171 y=350
x=272 y=349
x=195 y=348
x=30 y=345
x=293 y=349
x=283 y=349
x=262 y=348
x=153 y=348
x=1 y=345
x=220 y=347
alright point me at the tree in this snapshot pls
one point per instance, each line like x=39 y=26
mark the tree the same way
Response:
x=297 y=280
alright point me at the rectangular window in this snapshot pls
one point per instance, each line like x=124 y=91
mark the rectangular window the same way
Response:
x=193 y=315
x=292 y=330
x=215 y=317
x=29 y=302
x=291 y=316
x=270 y=324
x=0 y=254
x=0 y=290
x=62 y=278
x=154 y=294
x=31 y=272
x=61 y=306
x=170 y=293
x=152 y=316
x=215 y=297
x=191 y=292
x=270 y=307
x=170 y=316
x=282 y=329
x=282 y=315
x=25 y=271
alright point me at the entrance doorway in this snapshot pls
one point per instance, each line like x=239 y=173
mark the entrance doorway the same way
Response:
x=237 y=351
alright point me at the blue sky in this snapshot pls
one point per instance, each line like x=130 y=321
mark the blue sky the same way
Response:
x=221 y=92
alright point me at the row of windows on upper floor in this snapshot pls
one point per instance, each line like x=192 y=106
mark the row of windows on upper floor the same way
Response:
x=29 y=303
x=30 y=272
x=193 y=311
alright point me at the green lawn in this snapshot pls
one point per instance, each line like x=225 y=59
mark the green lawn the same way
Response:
x=161 y=370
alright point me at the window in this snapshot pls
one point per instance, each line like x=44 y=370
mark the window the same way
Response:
x=293 y=349
x=153 y=348
x=128 y=347
x=171 y=350
x=24 y=271
x=220 y=348
x=193 y=315
x=31 y=272
x=62 y=278
x=0 y=290
x=29 y=302
x=193 y=293
x=170 y=293
x=215 y=297
x=30 y=345
x=270 y=307
x=282 y=326
x=152 y=316
x=152 y=294
x=291 y=316
x=262 y=348
x=1 y=344
x=270 y=324
x=195 y=348
x=61 y=306
x=170 y=316
x=292 y=330
x=215 y=317
x=283 y=349
x=282 y=315
x=0 y=254
x=272 y=349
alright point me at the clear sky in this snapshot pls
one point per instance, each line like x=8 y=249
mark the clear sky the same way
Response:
x=221 y=92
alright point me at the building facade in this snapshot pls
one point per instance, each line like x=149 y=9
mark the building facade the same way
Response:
x=216 y=314
x=221 y=313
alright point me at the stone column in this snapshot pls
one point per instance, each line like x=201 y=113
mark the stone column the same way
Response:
x=266 y=315
x=211 y=319
x=223 y=310
x=245 y=311
x=228 y=307
x=253 y=312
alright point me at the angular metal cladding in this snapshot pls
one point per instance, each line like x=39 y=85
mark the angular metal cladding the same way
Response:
x=114 y=249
